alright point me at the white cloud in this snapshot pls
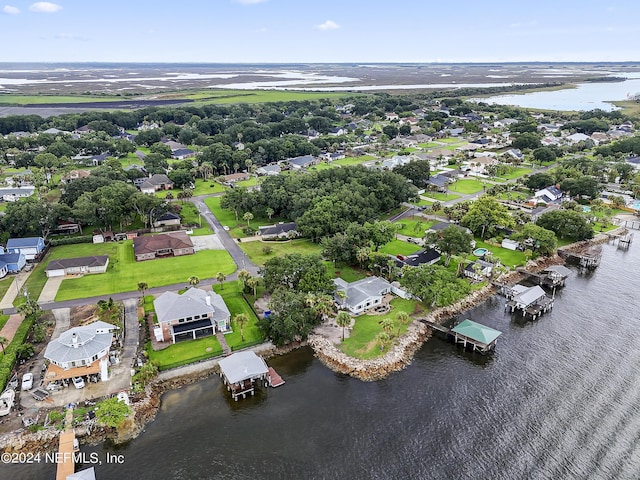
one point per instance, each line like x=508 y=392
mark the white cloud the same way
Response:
x=328 y=25
x=45 y=7
x=249 y=2
x=10 y=10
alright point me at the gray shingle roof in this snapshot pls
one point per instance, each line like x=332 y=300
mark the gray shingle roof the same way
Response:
x=89 y=343
x=360 y=290
x=171 y=306
x=97 y=261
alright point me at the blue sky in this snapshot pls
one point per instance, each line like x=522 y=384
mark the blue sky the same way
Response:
x=319 y=31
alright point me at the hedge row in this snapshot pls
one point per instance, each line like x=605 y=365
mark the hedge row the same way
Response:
x=8 y=360
x=71 y=240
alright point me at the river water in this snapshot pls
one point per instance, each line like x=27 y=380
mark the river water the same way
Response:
x=560 y=399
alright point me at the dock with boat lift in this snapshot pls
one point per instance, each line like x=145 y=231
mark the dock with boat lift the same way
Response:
x=471 y=335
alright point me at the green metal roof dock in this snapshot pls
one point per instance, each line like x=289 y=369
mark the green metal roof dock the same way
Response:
x=480 y=337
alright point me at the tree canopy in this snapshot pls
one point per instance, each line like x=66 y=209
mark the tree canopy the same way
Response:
x=566 y=224
x=485 y=215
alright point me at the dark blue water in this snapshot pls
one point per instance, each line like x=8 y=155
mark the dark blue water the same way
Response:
x=558 y=400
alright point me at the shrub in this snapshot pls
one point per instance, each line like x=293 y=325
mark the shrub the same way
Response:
x=267 y=249
x=71 y=240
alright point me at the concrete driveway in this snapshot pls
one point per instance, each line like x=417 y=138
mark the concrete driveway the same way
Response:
x=207 y=242
x=50 y=290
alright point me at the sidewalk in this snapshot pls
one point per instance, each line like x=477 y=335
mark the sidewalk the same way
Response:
x=12 y=293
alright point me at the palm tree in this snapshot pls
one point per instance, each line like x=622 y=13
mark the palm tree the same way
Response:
x=383 y=339
x=403 y=319
x=243 y=276
x=269 y=211
x=142 y=287
x=253 y=283
x=248 y=217
x=343 y=320
x=193 y=280
x=3 y=342
x=221 y=277
x=241 y=319
x=387 y=325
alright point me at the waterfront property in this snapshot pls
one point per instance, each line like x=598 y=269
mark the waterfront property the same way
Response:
x=77 y=266
x=164 y=245
x=364 y=294
x=80 y=351
x=241 y=370
x=531 y=301
x=193 y=314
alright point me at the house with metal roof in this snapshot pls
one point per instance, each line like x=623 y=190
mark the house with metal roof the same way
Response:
x=77 y=266
x=304 y=161
x=14 y=261
x=80 y=351
x=421 y=257
x=364 y=294
x=193 y=314
x=269 y=170
x=480 y=337
x=241 y=370
x=30 y=247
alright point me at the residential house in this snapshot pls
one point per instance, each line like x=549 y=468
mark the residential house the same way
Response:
x=422 y=257
x=20 y=179
x=395 y=161
x=299 y=163
x=167 y=219
x=158 y=181
x=480 y=164
x=30 y=247
x=67 y=227
x=504 y=122
x=478 y=270
x=577 y=137
x=634 y=162
x=77 y=266
x=548 y=195
x=80 y=351
x=392 y=116
x=278 y=231
x=599 y=137
x=13 y=194
x=236 y=177
x=13 y=261
x=515 y=153
x=269 y=170
x=364 y=294
x=337 y=131
x=182 y=153
x=4 y=268
x=193 y=314
x=75 y=175
x=538 y=211
x=334 y=156
x=439 y=182
x=55 y=131
x=549 y=127
x=163 y=245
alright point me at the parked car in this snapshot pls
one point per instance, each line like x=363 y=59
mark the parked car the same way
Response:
x=27 y=381
x=78 y=382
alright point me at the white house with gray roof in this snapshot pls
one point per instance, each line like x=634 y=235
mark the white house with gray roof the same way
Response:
x=364 y=294
x=80 y=348
x=193 y=314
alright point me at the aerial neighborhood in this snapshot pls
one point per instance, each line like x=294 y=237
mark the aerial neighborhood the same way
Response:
x=177 y=235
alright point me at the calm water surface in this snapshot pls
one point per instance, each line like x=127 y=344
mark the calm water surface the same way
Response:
x=559 y=400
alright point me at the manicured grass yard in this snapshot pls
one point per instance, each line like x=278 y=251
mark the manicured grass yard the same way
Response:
x=186 y=351
x=353 y=160
x=255 y=249
x=124 y=273
x=228 y=218
x=232 y=294
x=508 y=257
x=200 y=188
x=413 y=227
x=190 y=216
x=467 y=186
x=513 y=196
x=516 y=173
x=5 y=283
x=252 y=182
x=3 y=320
x=424 y=203
x=398 y=247
x=441 y=197
x=362 y=341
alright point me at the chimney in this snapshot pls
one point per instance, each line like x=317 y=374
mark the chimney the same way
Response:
x=74 y=341
x=208 y=300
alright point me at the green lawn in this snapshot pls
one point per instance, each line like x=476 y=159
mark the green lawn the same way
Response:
x=424 y=203
x=508 y=257
x=231 y=292
x=224 y=96
x=467 y=186
x=186 y=351
x=40 y=99
x=257 y=255
x=441 y=197
x=414 y=227
x=513 y=196
x=228 y=218
x=190 y=216
x=5 y=283
x=398 y=247
x=252 y=182
x=201 y=188
x=345 y=272
x=516 y=173
x=353 y=160
x=124 y=272
x=451 y=140
x=3 y=320
x=362 y=341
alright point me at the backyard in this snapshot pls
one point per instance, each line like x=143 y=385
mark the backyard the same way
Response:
x=362 y=340
x=190 y=215
x=414 y=227
x=509 y=258
x=398 y=247
x=467 y=186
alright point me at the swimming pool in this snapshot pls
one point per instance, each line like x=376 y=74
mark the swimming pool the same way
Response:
x=479 y=252
x=586 y=209
x=635 y=205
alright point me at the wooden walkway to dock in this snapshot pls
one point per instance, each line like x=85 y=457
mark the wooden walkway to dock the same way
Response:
x=66 y=449
x=436 y=326
x=275 y=380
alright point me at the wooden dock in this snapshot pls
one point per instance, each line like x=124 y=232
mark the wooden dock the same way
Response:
x=471 y=335
x=275 y=380
x=588 y=259
x=436 y=326
x=66 y=449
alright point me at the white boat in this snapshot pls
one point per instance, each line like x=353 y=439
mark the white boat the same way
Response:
x=6 y=401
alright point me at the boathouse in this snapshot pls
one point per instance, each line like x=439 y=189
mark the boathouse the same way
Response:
x=479 y=337
x=240 y=371
x=531 y=301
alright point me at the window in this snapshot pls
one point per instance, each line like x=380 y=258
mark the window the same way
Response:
x=196 y=317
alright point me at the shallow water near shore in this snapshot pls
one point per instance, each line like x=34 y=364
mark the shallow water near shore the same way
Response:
x=558 y=399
